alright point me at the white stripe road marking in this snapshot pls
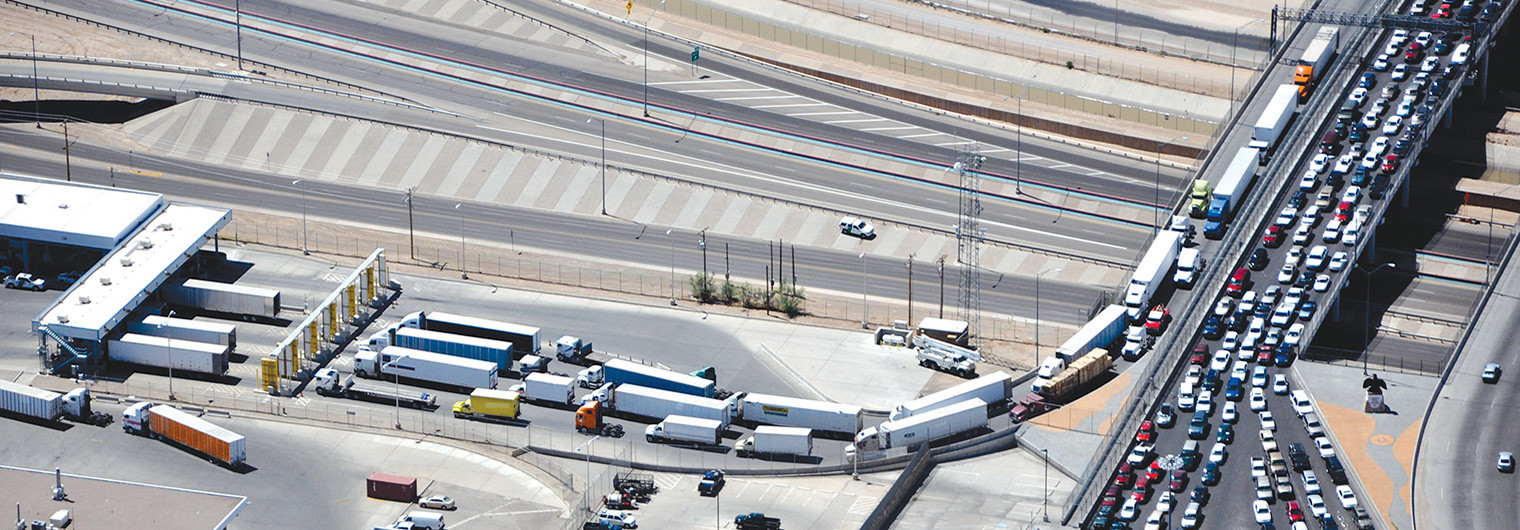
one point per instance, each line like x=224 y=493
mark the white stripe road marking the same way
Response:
x=1059 y=166
x=703 y=81
x=706 y=90
x=789 y=105
x=824 y=113
x=962 y=142
x=788 y=96
x=921 y=135
x=873 y=129
x=856 y=121
x=996 y=150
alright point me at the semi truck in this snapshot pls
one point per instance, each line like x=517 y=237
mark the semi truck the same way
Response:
x=936 y=424
x=679 y=429
x=47 y=405
x=777 y=441
x=226 y=298
x=786 y=411
x=1101 y=331
x=164 y=352
x=1029 y=406
x=1199 y=205
x=1082 y=371
x=635 y=400
x=468 y=347
x=621 y=372
x=163 y=422
x=589 y=419
x=186 y=329
x=572 y=350
x=425 y=367
x=1153 y=270
x=1273 y=120
x=991 y=388
x=1315 y=60
x=1232 y=188
x=327 y=382
x=487 y=404
x=548 y=388
x=524 y=339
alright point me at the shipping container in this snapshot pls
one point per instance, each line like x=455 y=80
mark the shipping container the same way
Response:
x=425 y=367
x=391 y=487
x=224 y=298
x=797 y=412
x=655 y=403
x=625 y=372
x=162 y=352
x=186 y=329
x=524 y=339
x=495 y=351
x=168 y=423
x=991 y=388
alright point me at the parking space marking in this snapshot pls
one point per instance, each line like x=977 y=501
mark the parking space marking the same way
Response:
x=863 y=505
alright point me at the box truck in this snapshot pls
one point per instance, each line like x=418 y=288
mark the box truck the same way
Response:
x=635 y=400
x=216 y=297
x=1153 y=270
x=933 y=425
x=678 y=429
x=47 y=405
x=1082 y=371
x=548 y=388
x=1232 y=187
x=487 y=404
x=391 y=487
x=327 y=382
x=164 y=352
x=1274 y=119
x=425 y=367
x=524 y=339
x=1315 y=60
x=186 y=329
x=620 y=372
x=797 y=412
x=992 y=388
x=163 y=422
x=465 y=346
x=777 y=441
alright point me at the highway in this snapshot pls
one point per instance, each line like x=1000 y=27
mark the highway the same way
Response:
x=600 y=238
x=1456 y=483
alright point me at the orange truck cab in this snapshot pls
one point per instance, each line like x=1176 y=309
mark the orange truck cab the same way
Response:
x=589 y=417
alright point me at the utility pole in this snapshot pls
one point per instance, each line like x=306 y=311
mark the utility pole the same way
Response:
x=941 y=287
x=910 y=289
x=238 y=7
x=68 y=161
x=411 y=230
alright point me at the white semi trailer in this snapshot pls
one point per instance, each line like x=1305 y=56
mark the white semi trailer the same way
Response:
x=164 y=352
x=991 y=388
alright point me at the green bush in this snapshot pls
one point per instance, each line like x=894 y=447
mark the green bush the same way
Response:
x=785 y=298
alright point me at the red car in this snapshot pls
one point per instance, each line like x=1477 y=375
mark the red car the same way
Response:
x=1273 y=237
x=1155 y=322
x=1179 y=481
x=1200 y=355
x=1124 y=480
x=1295 y=513
x=1154 y=472
x=1141 y=494
x=1343 y=211
x=1238 y=282
x=1147 y=432
x=1390 y=163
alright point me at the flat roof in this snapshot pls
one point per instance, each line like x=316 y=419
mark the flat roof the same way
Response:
x=95 y=502
x=113 y=289
x=69 y=213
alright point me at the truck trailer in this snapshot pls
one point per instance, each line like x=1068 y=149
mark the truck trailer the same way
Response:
x=486 y=404
x=47 y=405
x=936 y=424
x=425 y=367
x=1082 y=371
x=1232 y=188
x=1155 y=267
x=327 y=382
x=770 y=440
x=217 y=297
x=1100 y=332
x=549 y=388
x=1273 y=120
x=186 y=329
x=1315 y=60
x=164 y=352
x=992 y=388
x=677 y=429
x=163 y=422
x=786 y=411
x=626 y=372
x=465 y=346
x=635 y=400
x=391 y=487
x=524 y=339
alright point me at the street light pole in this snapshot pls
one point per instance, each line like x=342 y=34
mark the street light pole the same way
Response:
x=1367 y=310
x=305 y=250
x=1037 y=320
x=36 y=89
x=238 y=7
x=462 y=273
x=646 y=59
x=1234 y=47
x=1045 y=497
x=397 y=380
x=170 y=343
x=1159 y=151
x=669 y=235
x=586 y=446
x=604 y=162
x=863 y=324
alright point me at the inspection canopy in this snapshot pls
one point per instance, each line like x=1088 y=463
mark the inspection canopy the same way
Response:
x=65 y=213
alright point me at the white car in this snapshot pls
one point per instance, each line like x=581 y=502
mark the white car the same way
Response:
x=1259 y=376
x=1370 y=120
x=1295 y=332
x=1317 y=506
x=1248 y=302
x=1338 y=262
x=1267 y=422
x=1382 y=62
x=1258 y=400
x=1423 y=38
x=1319 y=162
x=1459 y=56
x=1399 y=36
x=1205 y=402
x=1303 y=233
x=1348 y=499
x=1231 y=341
x=1258 y=467
x=1309 y=181
x=1405 y=108
x=1399 y=73
x=1228 y=414
x=1293 y=256
x=617 y=518
x=854 y=226
x=1217 y=454
x=1311 y=483
x=1310 y=215
x=1316 y=259
x=1353 y=194
x=1430 y=64
x=1194 y=374
x=1280 y=384
x=1287 y=274
x=1239 y=371
x=1321 y=283
x=437 y=502
x=1221 y=360
x=1326 y=449
x=1343 y=164
x=1301 y=403
x=1263 y=512
x=1332 y=233
x=1393 y=125
x=1379 y=146
x=1378 y=107
x=1223 y=307
x=1186 y=399
x=1164 y=502
x=1130 y=510
x=1352 y=232
x=1286 y=216
x=1191 y=516
x=1139 y=454
x=1358 y=96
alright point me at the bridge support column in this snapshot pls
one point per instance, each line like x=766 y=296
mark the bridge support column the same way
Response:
x=1370 y=253
x=1404 y=193
x=1335 y=308
x=1483 y=80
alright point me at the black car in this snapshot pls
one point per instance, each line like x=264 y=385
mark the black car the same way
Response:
x=1165 y=417
x=1212 y=329
x=712 y=483
x=1358 y=134
x=1402 y=146
x=1200 y=494
x=1211 y=474
x=1438 y=88
x=1336 y=469
x=1298 y=456
x=1259 y=259
x=1379 y=187
x=1298 y=199
x=1198 y=430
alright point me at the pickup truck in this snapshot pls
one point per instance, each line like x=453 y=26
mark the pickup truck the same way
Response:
x=757 y=521
x=712 y=483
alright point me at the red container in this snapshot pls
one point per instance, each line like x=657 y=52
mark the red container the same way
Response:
x=391 y=487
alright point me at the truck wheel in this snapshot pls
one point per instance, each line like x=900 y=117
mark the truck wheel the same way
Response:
x=649 y=439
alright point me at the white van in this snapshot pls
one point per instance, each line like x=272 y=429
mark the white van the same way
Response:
x=1189 y=266
x=421 y=520
x=1186 y=399
x=1459 y=56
